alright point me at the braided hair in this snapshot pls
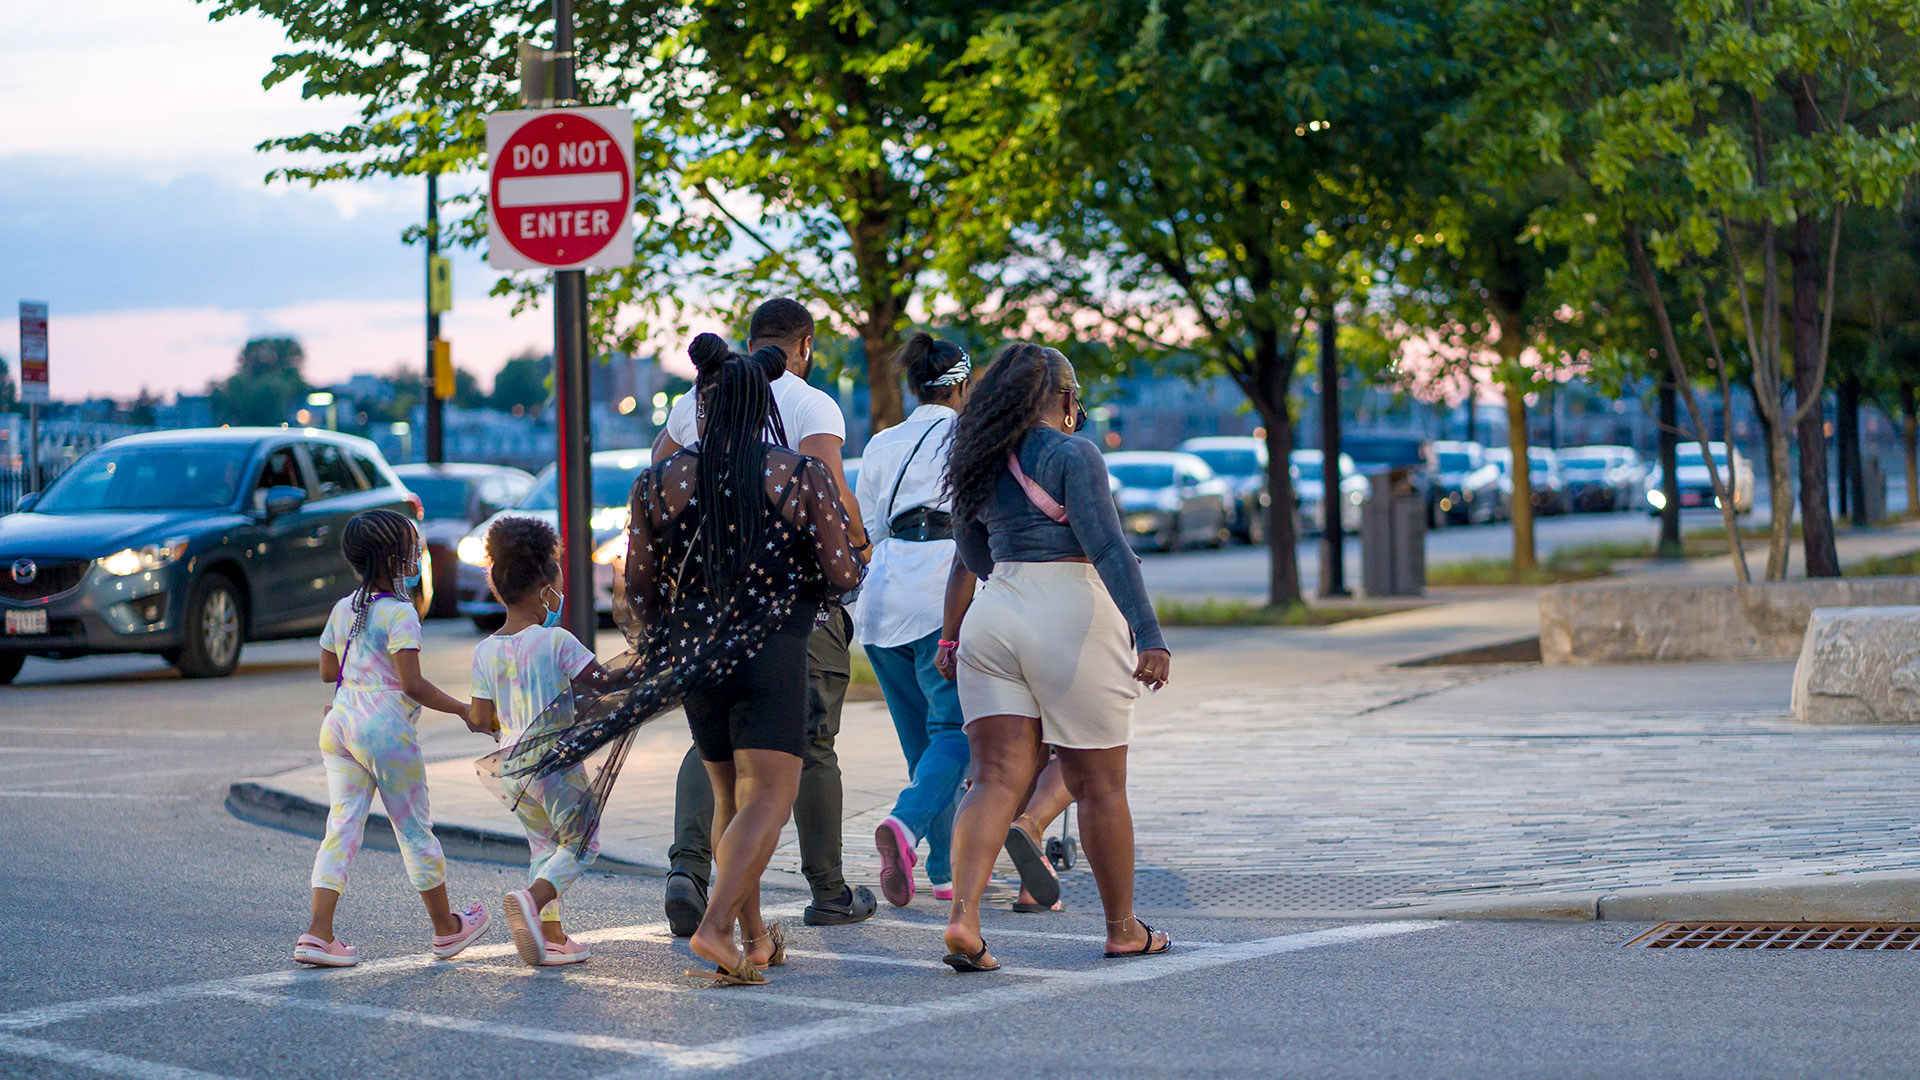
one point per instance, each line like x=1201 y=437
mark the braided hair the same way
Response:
x=737 y=420
x=382 y=546
x=1023 y=381
x=926 y=360
x=521 y=556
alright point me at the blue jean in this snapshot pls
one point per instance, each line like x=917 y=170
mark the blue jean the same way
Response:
x=926 y=714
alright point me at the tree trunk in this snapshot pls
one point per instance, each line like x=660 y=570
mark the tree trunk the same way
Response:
x=1267 y=385
x=883 y=376
x=1333 y=501
x=1910 y=438
x=1816 y=516
x=1671 y=546
x=1846 y=438
x=1522 y=507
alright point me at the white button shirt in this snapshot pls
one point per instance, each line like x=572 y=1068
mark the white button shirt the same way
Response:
x=904 y=594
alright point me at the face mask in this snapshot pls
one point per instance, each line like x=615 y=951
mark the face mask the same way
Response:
x=412 y=580
x=553 y=613
x=1079 y=418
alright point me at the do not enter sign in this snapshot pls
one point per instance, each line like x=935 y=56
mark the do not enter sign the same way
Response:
x=560 y=189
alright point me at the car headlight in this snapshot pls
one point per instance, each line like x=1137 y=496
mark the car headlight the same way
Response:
x=472 y=550
x=129 y=561
x=609 y=517
x=613 y=551
x=1657 y=498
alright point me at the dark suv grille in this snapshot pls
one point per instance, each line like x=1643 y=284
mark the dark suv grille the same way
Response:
x=51 y=577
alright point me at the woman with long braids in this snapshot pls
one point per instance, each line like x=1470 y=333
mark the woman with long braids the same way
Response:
x=1054 y=650
x=734 y=546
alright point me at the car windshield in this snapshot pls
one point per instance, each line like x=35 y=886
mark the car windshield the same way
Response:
x=441 y=496
x=1140 y=474
x=611 y=485
x=1539 y=461
x=1383 y=451
x=1229 y=462
x=1584 y=464
x=1308 y=470
x=149 y=478
x=1690 y=455
x=1454 y=461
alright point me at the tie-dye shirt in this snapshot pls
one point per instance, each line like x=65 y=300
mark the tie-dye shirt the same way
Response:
x=524 y=673
x=367 y=669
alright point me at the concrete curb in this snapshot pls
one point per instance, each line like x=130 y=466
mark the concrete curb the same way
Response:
x=257 y=801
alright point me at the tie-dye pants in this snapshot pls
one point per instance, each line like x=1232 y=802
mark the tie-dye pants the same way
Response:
x=367 y=749
x=549 y=810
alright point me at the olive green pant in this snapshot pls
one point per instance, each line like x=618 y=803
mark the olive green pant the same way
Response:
x=817 y=808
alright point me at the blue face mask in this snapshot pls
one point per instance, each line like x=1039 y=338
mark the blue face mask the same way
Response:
x=553 y=614
x=412 y=581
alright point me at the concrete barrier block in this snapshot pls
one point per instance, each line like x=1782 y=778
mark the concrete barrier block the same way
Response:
x=1859 y=665
x=1651 y=622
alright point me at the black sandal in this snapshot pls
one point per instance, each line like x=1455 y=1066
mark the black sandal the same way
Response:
x=965 y=962
x=1036 y=874
x=1145 y=950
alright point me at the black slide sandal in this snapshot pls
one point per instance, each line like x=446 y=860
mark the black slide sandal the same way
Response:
x=965 y=962
x=1036 y=874
x=1146 y=950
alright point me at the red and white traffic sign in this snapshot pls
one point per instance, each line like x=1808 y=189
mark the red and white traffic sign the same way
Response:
x=33 y=353
x=560 y=189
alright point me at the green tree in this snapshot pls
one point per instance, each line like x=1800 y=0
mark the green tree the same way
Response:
x=8 y=394
x=1219 y=177
x=524 y=383
x=466 y=390
x=140 y=413
x=267 y=384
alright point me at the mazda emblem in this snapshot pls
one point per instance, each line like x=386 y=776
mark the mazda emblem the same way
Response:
x=24 y=571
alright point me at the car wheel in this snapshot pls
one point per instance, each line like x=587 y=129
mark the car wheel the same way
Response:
x=214 y=629
x=10 y=664
x=487 y=624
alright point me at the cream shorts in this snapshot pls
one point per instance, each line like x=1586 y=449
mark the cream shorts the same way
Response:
x=1045 y=639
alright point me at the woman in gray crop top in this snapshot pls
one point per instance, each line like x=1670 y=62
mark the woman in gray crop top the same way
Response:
x=1057 y=645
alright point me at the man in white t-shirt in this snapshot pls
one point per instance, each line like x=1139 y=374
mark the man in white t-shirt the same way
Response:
x=814 y=427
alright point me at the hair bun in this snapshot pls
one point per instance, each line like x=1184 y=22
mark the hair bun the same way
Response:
x=708 y=350
x=770 y=361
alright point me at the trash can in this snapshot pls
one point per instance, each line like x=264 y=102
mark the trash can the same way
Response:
x=1393 y=537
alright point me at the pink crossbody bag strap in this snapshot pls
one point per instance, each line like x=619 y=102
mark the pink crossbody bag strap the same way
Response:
x=1036 y=494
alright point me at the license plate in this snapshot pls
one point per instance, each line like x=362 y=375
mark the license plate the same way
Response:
x=1690 y=499
x=26 y=622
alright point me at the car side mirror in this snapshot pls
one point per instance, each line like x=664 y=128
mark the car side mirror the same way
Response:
x=26 y=502
x=283 y=499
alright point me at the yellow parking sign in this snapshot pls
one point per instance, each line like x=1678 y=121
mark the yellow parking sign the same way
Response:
x=439 y=284
x=442 y=368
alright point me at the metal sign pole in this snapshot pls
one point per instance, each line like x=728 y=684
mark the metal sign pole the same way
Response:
x=575 y=449
x=436 y=447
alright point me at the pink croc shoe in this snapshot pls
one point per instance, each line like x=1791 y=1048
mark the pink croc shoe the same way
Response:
x=523 y=922
x=311 y=950
x=473 y=922
x=896 y=861
x=570 y=951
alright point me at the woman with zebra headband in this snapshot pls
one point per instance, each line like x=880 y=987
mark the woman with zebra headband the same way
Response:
x=1057 y=646
x=734 y=546
x=906 y=511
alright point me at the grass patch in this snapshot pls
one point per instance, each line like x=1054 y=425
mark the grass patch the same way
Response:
x=1885 y=566
x=1215 y=612
x=1551 y=571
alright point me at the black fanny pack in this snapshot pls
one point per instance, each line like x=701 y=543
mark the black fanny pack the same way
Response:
x=920 y=525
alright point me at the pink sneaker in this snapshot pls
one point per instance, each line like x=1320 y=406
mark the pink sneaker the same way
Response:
x=523 y=922
x=896 y=861
x=311 y=950
x=473 y=922
x=569 y=951
x=943 y=892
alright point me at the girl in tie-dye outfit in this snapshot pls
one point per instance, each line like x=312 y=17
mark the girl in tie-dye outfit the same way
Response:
x=370 y=651
x=523 y=678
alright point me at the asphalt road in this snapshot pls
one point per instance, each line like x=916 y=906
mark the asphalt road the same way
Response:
x=146 y=934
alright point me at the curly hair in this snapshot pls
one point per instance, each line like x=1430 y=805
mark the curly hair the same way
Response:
x=523 y=556
x=1022 y=382
x=382 y=546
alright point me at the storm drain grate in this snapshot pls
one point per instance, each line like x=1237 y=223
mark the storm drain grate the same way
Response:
x=1900 y=937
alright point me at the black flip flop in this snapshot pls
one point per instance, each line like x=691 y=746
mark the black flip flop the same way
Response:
x=1035 y=909
x=965 y=962
x=1146 y=950
x=1036 y=874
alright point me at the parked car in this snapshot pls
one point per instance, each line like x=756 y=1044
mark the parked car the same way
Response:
x=1241 y=461
x=1169 y=500
x=1469 y=484
x=1309 y=490
x=456 y=496
x=1603 y=478
x=1544 y=475
x=1380 y=453
x=1696 y=485
x=188 y=544
x=614 y=472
